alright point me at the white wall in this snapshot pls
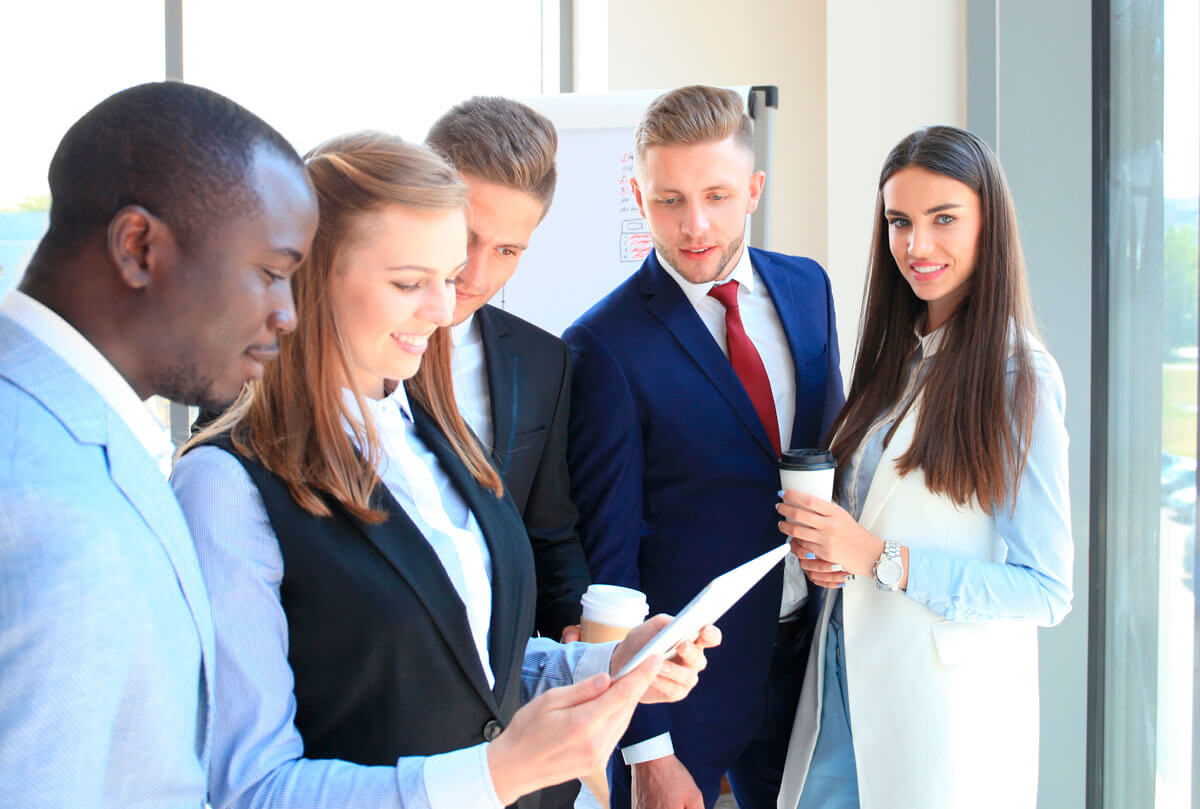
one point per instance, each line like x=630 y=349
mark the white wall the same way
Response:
x=892 y=67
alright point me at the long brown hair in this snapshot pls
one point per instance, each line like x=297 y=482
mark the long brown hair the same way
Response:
x=291 y=420
x=973 y=428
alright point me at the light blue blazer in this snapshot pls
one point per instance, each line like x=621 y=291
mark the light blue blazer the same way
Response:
x=105 y=633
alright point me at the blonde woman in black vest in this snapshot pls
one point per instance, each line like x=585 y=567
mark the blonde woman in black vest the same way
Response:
x=372 y=586
x=949 y=542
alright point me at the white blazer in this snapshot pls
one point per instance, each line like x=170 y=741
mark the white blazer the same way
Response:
x=944 y=713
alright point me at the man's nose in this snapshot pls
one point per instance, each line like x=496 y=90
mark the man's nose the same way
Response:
x=283 y=314
x=696 y=221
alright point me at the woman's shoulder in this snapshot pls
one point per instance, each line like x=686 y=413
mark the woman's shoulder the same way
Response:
x=1048 y=379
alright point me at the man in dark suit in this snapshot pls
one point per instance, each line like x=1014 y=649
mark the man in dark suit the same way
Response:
x=688 y=380
x=512 y=380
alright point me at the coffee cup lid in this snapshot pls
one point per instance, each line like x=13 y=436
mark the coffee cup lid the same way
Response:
x=617 y=606
x=807 y=459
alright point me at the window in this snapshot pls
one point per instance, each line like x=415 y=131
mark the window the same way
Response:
x=58 y=61
x=1153 y=173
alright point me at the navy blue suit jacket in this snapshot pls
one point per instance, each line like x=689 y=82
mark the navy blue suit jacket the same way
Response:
x=673 y=474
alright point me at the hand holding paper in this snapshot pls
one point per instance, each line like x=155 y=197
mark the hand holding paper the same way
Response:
x=678 y=675
x=709 y=604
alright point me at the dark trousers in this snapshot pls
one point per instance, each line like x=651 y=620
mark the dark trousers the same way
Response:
x=754 y=760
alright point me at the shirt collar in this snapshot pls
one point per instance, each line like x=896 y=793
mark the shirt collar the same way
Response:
x=929 y=343
x=743 y=273
x=465 y=333
x=86 y=360
x=381 y=410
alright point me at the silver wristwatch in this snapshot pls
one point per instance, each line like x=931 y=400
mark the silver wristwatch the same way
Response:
x=889 y=569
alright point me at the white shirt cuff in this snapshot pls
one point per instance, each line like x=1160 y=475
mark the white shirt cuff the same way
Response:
x=648 y=750
x=596 y=658
x=460 y=778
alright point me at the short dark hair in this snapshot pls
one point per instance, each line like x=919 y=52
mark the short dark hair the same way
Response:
x=501 y=141
x=178 y=150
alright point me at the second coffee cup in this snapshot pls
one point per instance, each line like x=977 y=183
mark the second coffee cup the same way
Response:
x=609 y=612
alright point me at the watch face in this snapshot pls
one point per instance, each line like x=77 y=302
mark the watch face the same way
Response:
x=888 y=572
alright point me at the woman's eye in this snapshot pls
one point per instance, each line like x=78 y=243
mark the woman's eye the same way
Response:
x=274 y=276
x=406 y=287
x=944 y=219
x=898 y=223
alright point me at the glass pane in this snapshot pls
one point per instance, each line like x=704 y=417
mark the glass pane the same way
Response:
x=1176 y=596
x=58 y=60
x=314 y=72
x=1152 y=228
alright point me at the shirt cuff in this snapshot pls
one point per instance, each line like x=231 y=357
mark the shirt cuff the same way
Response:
x=648 y=750
x=596 y=658
x=460 y=778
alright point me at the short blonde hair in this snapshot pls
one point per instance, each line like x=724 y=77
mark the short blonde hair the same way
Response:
x=500 y=141
x=695 y=114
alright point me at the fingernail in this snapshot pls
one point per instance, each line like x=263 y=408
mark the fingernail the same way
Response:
x=810 y=555
x=779 y=493
x=835 y=566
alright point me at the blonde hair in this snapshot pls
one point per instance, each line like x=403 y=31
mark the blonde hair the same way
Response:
x=695 y=114
x=501 y=141
x=291 y=420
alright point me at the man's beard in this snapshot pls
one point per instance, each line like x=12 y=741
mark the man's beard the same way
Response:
x=727 y=256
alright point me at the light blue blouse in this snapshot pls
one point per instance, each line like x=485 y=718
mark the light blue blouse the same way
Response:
x=1034 y=581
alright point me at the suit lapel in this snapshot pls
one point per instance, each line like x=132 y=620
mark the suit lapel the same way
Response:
x=506 y=572
x=667 y=302
x=886 y=478
x=501 y=363
x=776 y=281
x=138 y=478
x=403 y=545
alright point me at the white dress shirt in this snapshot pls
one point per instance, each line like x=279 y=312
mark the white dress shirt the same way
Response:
x=471 y=390
x=413 y=476
x=74 y=349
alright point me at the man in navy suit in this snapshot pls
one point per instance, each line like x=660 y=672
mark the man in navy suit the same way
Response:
x=688 y=379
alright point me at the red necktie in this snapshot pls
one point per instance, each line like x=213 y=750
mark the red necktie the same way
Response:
x=746 y=362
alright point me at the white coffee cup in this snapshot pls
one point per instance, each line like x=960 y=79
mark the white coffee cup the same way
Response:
x=809 y=471
x=609 y=612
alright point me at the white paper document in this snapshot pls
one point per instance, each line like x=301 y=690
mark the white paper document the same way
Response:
x=709 y=604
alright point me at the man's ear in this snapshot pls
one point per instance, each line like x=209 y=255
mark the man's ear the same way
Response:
x=139 y=243
x=637 y=197
x=756 y=186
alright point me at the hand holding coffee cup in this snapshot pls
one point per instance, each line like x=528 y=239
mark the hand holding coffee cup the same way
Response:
x=829 y=543
x=609 y=612
x=807 y=473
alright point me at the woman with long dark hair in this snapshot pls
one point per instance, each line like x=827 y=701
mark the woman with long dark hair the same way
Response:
x=949 y=542
x=372 y=587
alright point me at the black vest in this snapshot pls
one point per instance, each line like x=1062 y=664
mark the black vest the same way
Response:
x=378 y=639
